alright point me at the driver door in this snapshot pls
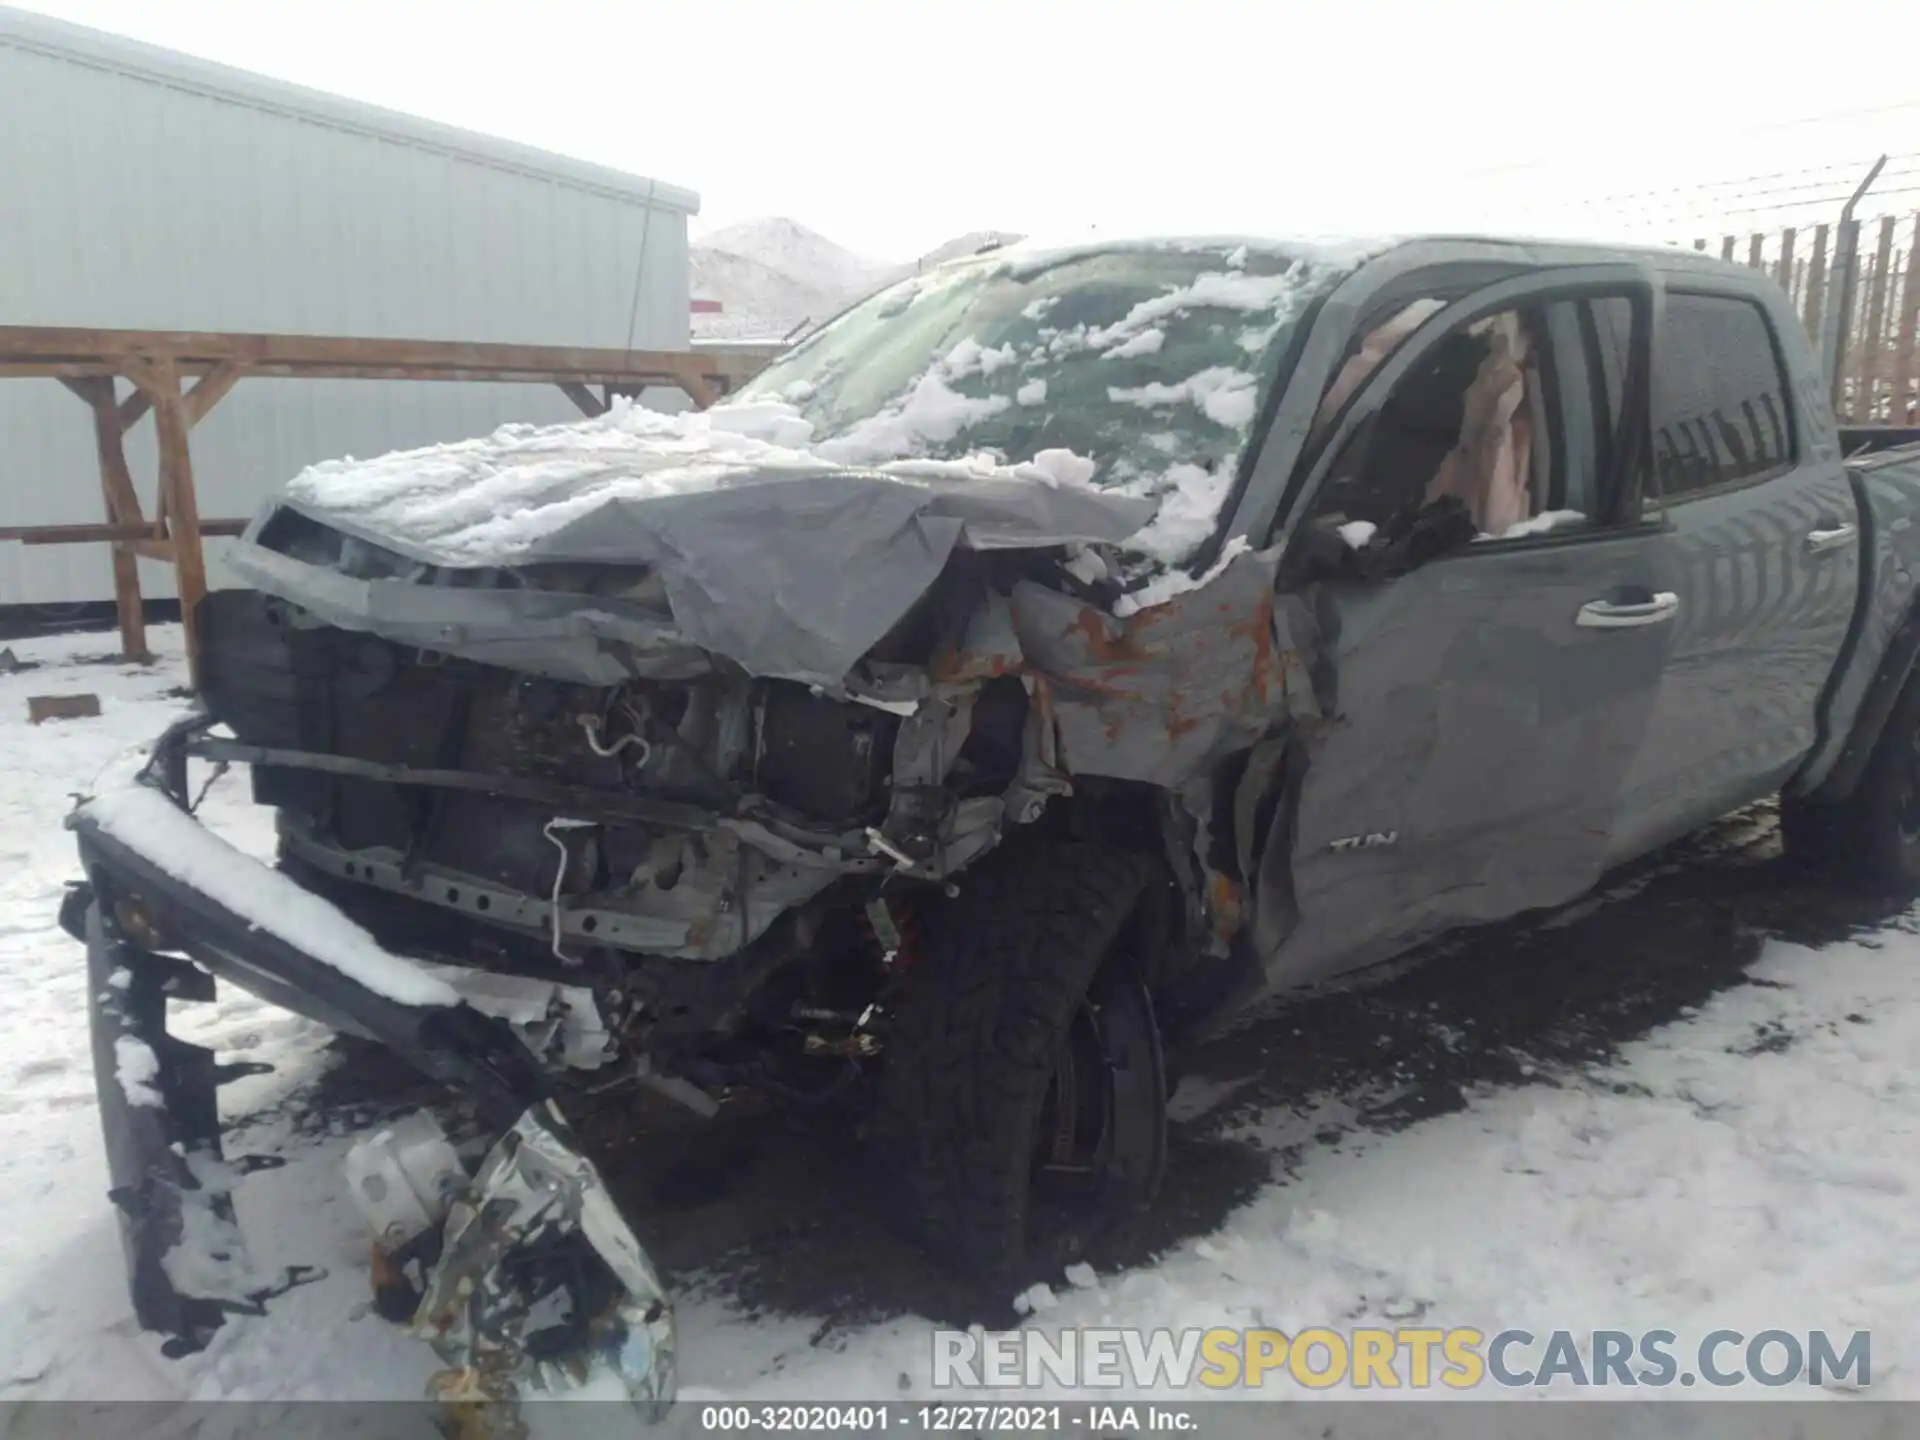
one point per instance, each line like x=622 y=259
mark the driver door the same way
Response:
x=1488 y=695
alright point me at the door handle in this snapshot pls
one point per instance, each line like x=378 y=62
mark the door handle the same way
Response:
x=1610 y=615
x=1836 y=538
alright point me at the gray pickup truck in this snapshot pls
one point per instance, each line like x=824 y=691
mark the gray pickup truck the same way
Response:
x=1050 y=657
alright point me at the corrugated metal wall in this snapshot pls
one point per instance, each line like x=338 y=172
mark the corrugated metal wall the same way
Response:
x=142 y=202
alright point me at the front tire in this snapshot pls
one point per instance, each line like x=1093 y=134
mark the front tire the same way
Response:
x=1022 y=1109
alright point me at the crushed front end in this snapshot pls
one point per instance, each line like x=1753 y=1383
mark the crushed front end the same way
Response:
x=167 y=910
x=654 y=746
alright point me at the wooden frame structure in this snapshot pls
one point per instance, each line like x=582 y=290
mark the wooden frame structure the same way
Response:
x=181 y=375
x=1878 y=382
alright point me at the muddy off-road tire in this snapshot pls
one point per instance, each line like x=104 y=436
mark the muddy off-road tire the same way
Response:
x=1870 y=840
x=1028 y=984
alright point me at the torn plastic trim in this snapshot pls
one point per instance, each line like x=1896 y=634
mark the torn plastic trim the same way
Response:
x=536 y=1284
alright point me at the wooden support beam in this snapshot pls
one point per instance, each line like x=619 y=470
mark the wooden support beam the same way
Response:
x=590 y=404
x=159 y=363
x=133 y=408
x=210 y=389
x=183 y=508
x=57 y=350
x=1905 y=378
x=151 y=549
x=123 y=508
x=1814 y=302
x=94 y=534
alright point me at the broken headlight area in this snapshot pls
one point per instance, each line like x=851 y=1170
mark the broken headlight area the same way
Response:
x=525 y=1279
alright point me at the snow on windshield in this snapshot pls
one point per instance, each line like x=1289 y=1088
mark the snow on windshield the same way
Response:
x=1137 y=370
x=1152 y=362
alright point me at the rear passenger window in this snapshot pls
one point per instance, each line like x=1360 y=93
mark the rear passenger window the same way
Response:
x=1720 y=413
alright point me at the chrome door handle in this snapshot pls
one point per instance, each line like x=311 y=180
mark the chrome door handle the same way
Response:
x=1840 y=536
x=1607 y=615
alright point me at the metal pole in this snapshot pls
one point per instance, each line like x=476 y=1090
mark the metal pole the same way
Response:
x=1840 y=286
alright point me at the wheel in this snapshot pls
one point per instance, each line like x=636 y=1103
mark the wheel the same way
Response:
x=1872 y=838
x=1807 y=833
x=1022 y=1105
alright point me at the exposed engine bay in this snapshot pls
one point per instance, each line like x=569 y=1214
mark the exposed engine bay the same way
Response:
x=732 y=864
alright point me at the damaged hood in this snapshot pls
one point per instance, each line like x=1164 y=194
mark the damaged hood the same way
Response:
x=789 y=565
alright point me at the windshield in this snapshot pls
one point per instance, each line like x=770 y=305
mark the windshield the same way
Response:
x=1149 y=365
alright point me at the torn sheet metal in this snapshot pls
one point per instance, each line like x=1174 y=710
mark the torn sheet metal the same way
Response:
x=1157 y=695
x=541 y=1288
x=793 y=574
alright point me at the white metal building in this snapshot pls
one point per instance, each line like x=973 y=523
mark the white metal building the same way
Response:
x=147 y=190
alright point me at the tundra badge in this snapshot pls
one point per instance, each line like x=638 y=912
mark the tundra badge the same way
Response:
x=1370 y=841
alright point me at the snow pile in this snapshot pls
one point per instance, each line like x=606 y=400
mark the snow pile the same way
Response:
x=930 y=413
x=1170 y=584
x=773 y=275
x=1190 y=498
x=797 y=251
x=1224 y=396
x=477 y=501
x=1147 y=342
x=136 y=1067
x=211 y=1256
x=1229 y=289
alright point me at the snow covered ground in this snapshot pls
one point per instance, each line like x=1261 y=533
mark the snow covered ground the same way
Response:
x=1751 y=1162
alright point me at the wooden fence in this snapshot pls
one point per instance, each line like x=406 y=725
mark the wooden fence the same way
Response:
x=1879 y=367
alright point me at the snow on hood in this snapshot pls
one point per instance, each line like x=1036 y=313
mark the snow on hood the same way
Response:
x=787 y=563
x=536 y=493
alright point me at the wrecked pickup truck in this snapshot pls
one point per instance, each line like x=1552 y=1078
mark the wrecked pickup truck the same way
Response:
x=1054 y=654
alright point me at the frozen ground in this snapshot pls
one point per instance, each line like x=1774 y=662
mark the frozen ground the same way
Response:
x=1691 y=1105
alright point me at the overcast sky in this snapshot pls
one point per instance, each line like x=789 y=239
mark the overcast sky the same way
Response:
x=891 y=125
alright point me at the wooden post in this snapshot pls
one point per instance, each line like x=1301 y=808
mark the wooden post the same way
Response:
x=1872 y=358
x=699 y=390
x=210 y=389
x=1816 y=281
x=588 y=403
x=170 y=418
x=161 y=363
x=1756 y=253
x=1785 y=272
x=1904 y=376
x=123 y=508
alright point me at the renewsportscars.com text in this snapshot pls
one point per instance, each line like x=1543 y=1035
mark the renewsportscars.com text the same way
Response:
x=1397 y=1359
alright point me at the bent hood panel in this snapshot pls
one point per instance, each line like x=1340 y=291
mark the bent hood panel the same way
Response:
x=791 y=568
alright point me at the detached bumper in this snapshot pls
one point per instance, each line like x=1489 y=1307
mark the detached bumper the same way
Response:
x=159 y=885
